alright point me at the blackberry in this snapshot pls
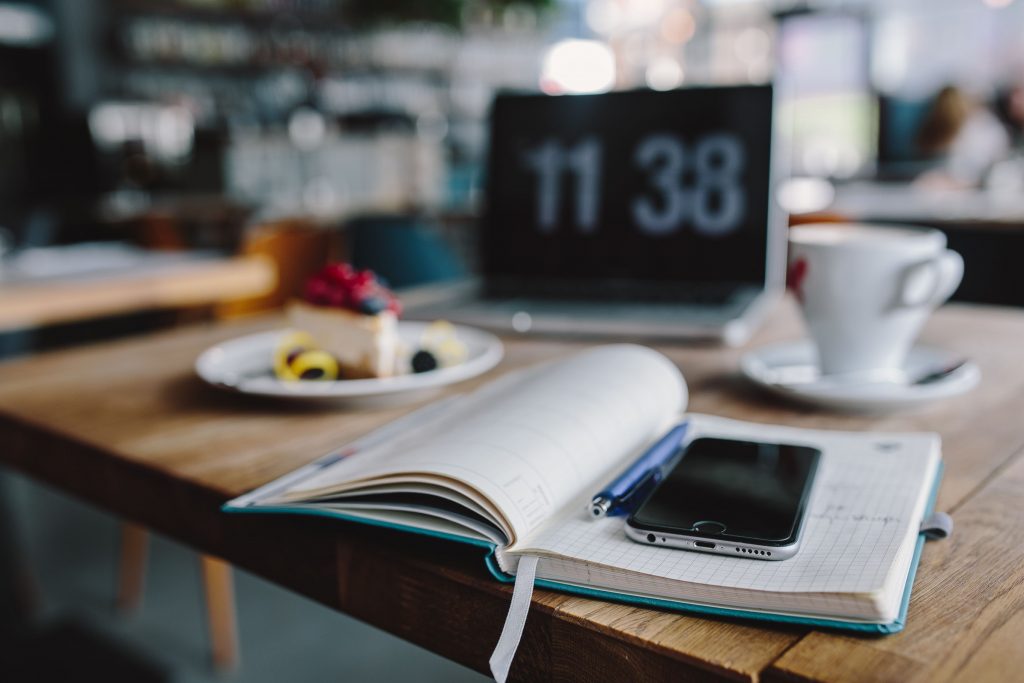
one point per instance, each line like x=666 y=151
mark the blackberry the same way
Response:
x=424 y=361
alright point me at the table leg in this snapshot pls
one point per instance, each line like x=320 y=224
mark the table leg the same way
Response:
x=220 y=612
x=132 y=567
x=17 y=586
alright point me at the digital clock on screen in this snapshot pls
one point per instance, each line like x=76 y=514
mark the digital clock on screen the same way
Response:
x=637 y=183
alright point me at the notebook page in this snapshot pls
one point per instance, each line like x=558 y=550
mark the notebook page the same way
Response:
x=531 y=442
x=865 y=509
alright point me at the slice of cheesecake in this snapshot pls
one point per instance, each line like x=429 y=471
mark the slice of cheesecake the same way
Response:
x=364 y=345
x=352 y=316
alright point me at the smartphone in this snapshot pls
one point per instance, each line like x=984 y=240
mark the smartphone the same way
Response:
x=738 y=498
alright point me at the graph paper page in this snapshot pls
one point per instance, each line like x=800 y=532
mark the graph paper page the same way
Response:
x=866 y=507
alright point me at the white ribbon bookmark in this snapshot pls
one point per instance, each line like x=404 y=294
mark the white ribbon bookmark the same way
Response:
x=501 y=659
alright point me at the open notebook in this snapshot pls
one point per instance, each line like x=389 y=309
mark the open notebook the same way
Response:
x=513 y=465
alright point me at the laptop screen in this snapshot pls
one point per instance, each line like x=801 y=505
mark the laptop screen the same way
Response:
x=628 y=190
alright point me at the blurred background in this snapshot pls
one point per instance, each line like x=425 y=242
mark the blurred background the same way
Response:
x=195 y=124
x=224 y=149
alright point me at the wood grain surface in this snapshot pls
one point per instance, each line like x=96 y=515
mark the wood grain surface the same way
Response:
x=195 y=283
x=128 y=427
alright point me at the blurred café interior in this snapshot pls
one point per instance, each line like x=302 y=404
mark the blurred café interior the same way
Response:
x=205 y=125
x=171 y=163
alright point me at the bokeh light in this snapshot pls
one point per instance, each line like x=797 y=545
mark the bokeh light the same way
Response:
x=578 y=66
x=664 y=73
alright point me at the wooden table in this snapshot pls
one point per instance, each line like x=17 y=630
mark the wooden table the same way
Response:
x=126 y=426
x=189 y=282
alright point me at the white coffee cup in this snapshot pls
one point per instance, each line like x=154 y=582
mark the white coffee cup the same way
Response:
x=866 y=290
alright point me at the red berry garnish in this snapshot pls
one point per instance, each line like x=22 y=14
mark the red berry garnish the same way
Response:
x=317 y=291
x=338 y=298
x=340 y=273
x=363 y=279
x=340 y=286
x=361 y=293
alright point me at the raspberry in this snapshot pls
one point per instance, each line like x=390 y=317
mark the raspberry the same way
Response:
x=363 y=279
x=361 y=293
x=341 y=273
x=338 y=298
x=317 y=291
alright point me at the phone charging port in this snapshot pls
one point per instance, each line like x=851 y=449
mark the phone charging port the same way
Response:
x=704 y=544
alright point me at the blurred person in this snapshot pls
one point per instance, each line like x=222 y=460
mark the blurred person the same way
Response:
x=963 y=137
x=1007 y=177
x=1010 y=109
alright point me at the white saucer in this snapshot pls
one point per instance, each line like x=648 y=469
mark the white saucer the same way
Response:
x=768 y=365
x=244 y=365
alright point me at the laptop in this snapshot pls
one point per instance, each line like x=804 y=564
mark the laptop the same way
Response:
x=639 y=213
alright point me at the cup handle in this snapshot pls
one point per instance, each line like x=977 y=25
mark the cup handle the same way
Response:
x=931 y=282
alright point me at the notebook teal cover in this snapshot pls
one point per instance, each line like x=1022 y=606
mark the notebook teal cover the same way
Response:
x=674 y=605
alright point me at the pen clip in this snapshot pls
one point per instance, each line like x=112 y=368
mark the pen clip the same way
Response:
x=639 y=492
x=647 y=483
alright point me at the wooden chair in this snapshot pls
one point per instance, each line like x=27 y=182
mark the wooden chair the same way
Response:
x=298 y=248
x=217 y=589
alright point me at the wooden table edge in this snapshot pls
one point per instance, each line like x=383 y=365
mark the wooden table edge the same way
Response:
x=545 y=610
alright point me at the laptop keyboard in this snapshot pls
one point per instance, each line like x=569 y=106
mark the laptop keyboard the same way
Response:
x=589 y=293
x=605 y=310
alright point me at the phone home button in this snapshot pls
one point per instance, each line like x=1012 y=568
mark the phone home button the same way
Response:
x=709 y=527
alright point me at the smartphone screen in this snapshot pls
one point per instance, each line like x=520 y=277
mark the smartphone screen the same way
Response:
x=728 y=489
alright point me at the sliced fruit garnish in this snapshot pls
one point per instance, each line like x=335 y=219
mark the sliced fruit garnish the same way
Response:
x=451 y=352
x=290 y=347
x=441 y=340
x=315 y=365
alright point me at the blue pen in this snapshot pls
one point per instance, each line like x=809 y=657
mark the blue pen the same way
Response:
x=627 y=489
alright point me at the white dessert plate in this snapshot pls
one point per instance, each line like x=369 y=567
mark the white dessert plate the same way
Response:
x=790 y=370
x=245 y=365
